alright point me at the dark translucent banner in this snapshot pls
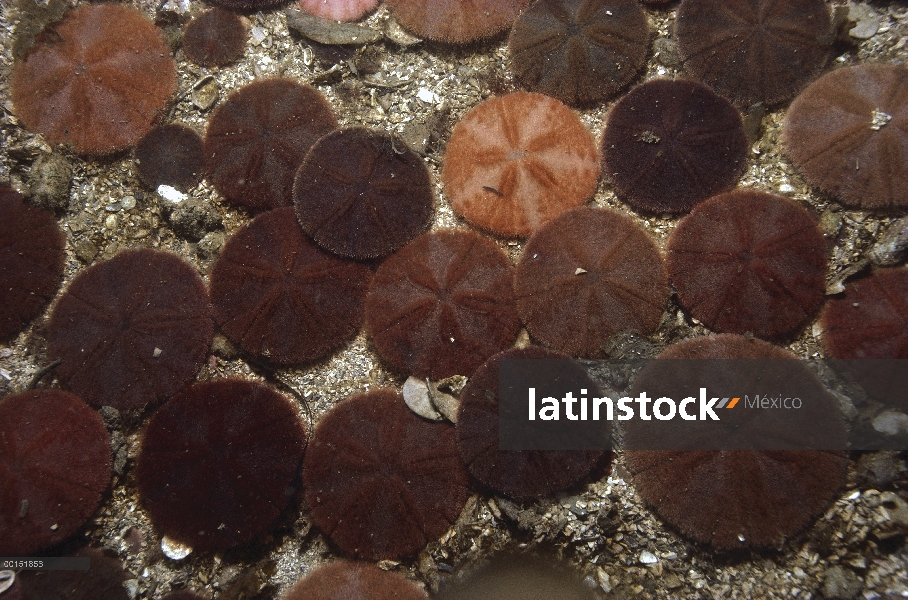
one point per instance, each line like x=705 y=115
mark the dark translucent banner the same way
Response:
x=45 y=563
x=671 y=404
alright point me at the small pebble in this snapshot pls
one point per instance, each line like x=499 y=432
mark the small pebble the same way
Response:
x=841 y=584
x=890 y=422
x=648 y=558
x=889 y=249
x=204 y=95
x=49 y=181
x=868 y=22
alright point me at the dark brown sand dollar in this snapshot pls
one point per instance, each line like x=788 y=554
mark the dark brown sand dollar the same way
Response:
x=668 y=145
x=848 y=133
x=754 y=51
x=257 y=139
x=217 y=460
x=348 y=580
x=281 y=298
x=362 y=193
x=170 y=155
x=520 y=474
x=131 y=331
x=381 y=481
x=443 y=304
x=579 y=51
x=31 y=261
x=734 y=499
x=54 y=465
x=587 y=275
x=749 y=261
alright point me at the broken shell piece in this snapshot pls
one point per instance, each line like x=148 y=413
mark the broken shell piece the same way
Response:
x=446 y=404
x=416 y=395
x=326 y=31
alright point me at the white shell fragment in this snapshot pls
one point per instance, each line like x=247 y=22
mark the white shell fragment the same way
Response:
x=423 y=398
x=173 y=549
x=416 y=395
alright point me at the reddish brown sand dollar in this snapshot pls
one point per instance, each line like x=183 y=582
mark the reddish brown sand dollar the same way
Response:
x=257 y=139
x=98 y=81
x=279 y=297
x=848 y=133
x=215 y=37
x=131 y=331
x=579 y=51
x=442 y=305
x=31 y=261
x=587 y=275
x=456 y=21
x=668 y=145
x=348 y=580
x=749 y=261
x=54 y=465
x=515 y=162
x=754 y=51
x=736 y=498
x=381 y=481
x=362 y=193
x=520 y=474
x=870 y=321
x=217 y=460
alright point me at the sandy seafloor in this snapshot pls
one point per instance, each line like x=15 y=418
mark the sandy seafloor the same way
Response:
x=601 y=529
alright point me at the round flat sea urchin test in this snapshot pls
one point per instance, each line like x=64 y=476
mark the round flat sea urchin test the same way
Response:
x=587 y=275
x=215 y=37
x=217 y=460
x=348 y=580
x=870 y=321
x=848 y=133
x=733 y=499
x=338 y=10
x=98 y=80
x=102 y=581
x=131 y=331
x=521 y=474
x=668 y=145
x=381 y=481
x=748 y=261
x=31 y=261
x=279 y=297
x=516 y=161
x=170 y=155
x=257 y=139
x=456 y=21
x=362 y=193
x=754 y=51
x=579 y=51
x=517 y=578
x=54 y=464
x=443 y=304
